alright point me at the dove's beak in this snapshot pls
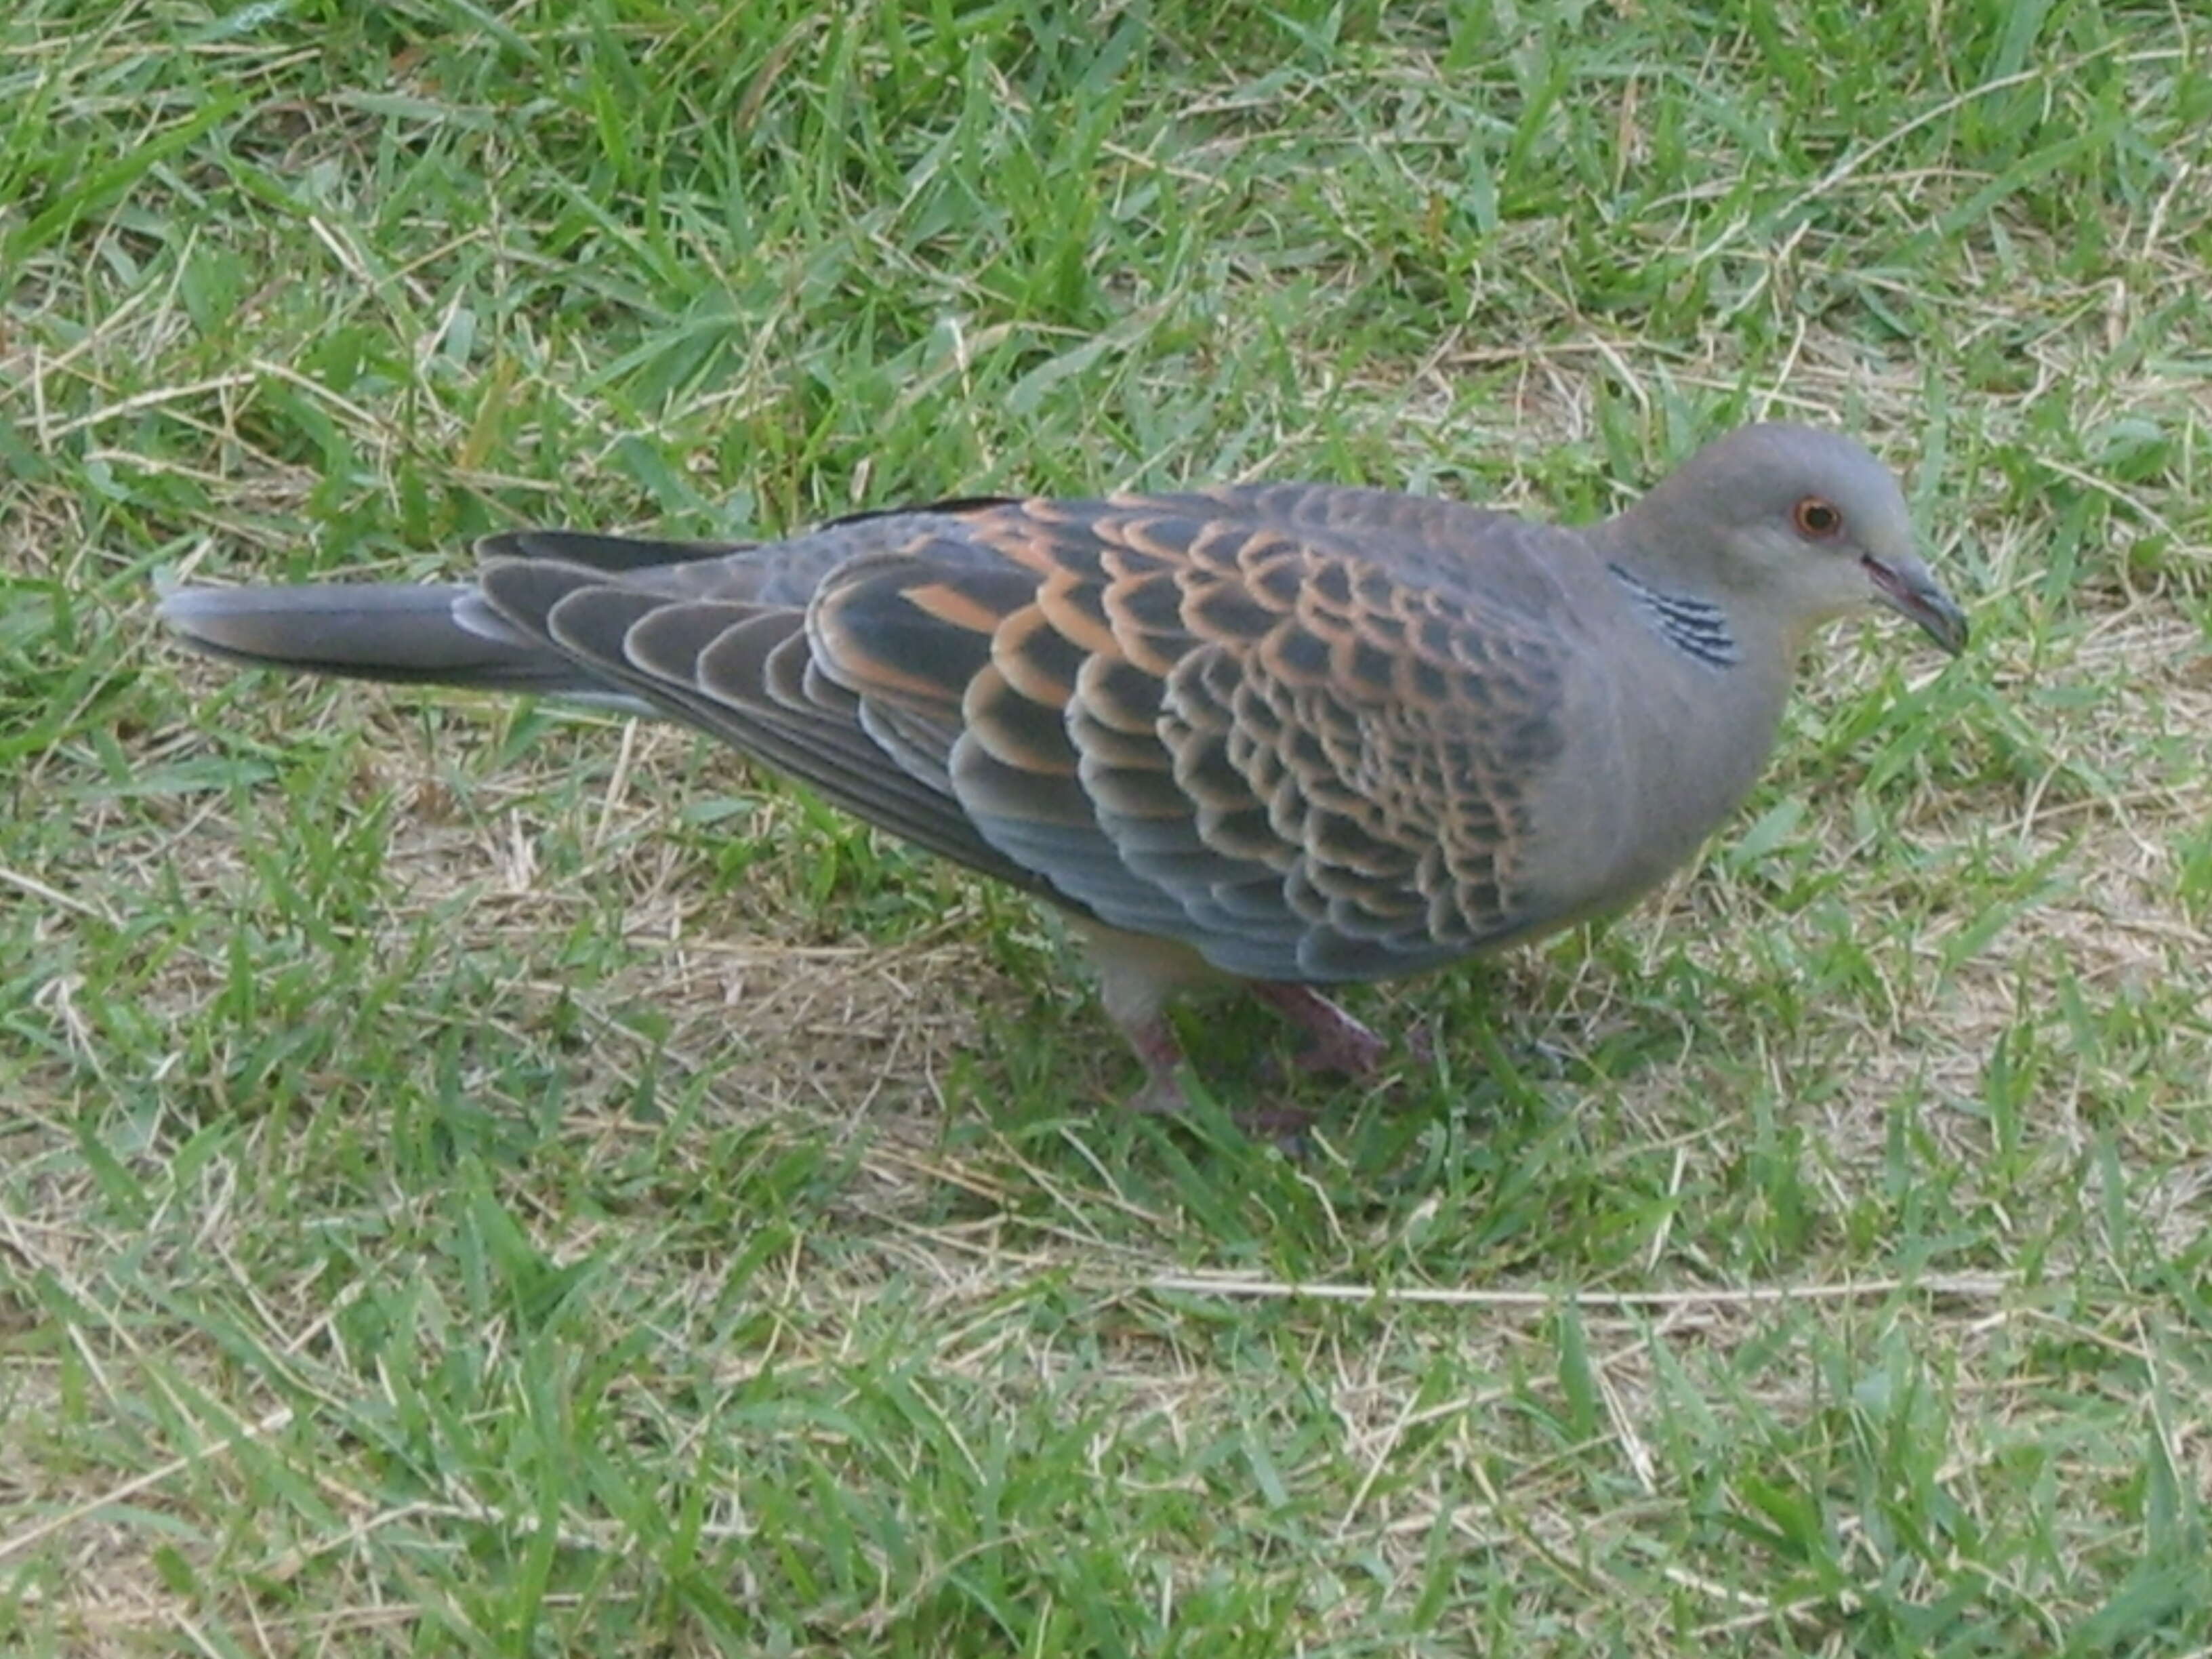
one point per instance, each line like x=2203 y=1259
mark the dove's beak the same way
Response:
x=1910 y=588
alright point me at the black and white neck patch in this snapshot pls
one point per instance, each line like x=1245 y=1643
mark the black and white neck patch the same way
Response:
x=1696 y=627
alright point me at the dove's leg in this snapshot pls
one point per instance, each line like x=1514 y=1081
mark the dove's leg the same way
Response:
x=1335 y=1042
x=1137 y=977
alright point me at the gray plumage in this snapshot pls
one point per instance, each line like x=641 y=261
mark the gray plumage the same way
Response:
x=1291 y=734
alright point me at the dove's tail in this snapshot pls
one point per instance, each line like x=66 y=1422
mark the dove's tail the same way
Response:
x=442 y=633
x=433 y=635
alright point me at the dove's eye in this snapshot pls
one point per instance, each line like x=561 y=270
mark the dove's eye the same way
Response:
x=1818 y=519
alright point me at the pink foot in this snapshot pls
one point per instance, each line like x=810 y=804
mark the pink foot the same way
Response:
x=1163 y=1094
x=1161 y=1051
x=1335 y=1042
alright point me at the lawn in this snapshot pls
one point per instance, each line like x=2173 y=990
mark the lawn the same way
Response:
x=479 y=1178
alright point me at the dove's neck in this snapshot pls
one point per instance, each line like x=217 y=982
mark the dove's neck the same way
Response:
x=1693 y=625
x=1664 y=567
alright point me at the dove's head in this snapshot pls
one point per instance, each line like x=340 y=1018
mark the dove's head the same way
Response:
x=1804 y=521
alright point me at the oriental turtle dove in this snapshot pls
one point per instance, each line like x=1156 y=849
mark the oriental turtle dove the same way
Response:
x=1294 y=735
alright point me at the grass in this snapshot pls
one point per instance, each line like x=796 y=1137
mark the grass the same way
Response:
x=479 y=1180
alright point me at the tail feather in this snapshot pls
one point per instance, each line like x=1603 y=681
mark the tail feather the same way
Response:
x=608 y=553
x=434 y=636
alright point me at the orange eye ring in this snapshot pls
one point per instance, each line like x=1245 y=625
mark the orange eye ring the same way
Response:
x=1818 y=519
